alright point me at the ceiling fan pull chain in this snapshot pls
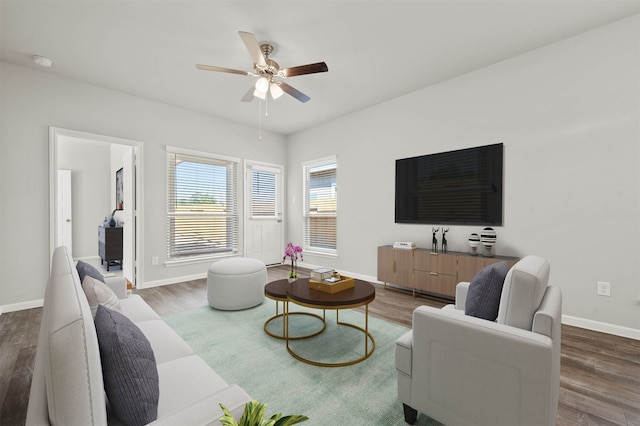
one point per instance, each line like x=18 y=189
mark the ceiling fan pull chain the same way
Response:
x=260 y=120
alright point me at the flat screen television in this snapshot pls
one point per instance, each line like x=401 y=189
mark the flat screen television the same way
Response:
x=461 y=187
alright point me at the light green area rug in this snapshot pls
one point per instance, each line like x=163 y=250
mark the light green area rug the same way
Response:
x=235 y=345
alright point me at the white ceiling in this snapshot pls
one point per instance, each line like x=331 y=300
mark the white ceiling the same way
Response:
x=375 y=50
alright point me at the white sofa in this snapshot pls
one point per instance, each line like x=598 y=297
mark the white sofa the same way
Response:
x=463 y=370
x=67 y=386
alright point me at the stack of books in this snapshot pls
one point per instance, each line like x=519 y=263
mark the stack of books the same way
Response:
x=407 y=245
x=321 y=274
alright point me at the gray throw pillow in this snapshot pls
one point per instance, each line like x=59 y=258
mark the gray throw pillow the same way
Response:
x=128 y=368
x=483 y=297
x=85 y=269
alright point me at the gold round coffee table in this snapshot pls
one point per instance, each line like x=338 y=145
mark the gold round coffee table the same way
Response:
x=361 y=294
x=277 y=290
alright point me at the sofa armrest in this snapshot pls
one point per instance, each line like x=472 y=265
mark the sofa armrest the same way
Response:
x=118 y=285
x=463 y=367
x=461 y=295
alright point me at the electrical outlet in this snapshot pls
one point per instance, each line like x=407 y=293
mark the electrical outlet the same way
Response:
x=604 y=288
x=154 y=260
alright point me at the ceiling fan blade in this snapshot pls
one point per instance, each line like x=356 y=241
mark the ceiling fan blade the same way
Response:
x=221 y=69
x=248 y=97
x=305 y=69
x=294 y=92
x=253 y=47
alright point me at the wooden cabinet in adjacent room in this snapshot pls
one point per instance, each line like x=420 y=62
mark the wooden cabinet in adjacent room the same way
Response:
x=110 y=245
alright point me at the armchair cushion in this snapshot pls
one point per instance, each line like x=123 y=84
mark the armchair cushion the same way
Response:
x=483 y=297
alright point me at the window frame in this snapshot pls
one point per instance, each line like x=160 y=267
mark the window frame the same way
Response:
x=307 y=166
x=234 y=191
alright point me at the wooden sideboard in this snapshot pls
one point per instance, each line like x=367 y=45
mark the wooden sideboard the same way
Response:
x=432 y=273
x=110 y=245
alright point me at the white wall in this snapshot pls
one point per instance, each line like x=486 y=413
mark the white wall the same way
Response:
x=568 y=116
x=90 y=190
x=32 y=101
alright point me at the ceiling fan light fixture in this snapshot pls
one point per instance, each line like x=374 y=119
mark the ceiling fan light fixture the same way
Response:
x=258 y=94
x=276 y=91
x=262 y=85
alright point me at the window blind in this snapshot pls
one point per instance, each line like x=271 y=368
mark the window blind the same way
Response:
x=263 y=194
x=202 y=206
x=320 y=206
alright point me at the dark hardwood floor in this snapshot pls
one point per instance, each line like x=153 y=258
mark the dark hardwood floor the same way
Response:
x=600 y=373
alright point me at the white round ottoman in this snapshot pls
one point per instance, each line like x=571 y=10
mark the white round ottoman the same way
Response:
x=236 y=283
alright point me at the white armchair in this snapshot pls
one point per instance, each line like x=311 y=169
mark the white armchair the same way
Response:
x=463 y=370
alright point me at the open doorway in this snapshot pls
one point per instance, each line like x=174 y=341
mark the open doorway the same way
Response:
x=94 y=179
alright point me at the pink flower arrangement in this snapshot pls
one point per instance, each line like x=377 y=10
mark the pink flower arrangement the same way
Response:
x=292 y=252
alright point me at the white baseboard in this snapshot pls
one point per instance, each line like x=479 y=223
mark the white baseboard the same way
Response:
x=21 y=306
x=617 y=330
x=602 y=327
x=159 y=283
x=88 y=258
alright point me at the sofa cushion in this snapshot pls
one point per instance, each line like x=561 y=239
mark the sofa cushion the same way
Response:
x=185 y=380
x=98 y=293
x=483 y=297
x=136 y=309
x=128 y=367
x=85 y=269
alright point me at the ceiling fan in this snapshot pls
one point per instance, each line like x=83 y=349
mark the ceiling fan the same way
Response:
x=268 y=72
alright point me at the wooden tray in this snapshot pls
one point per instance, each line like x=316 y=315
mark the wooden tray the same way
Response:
x=344 y=284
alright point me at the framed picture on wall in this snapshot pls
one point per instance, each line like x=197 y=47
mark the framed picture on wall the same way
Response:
x=119 y=190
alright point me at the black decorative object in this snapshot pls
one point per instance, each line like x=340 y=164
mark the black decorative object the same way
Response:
x=434 y=240
x=444 y=239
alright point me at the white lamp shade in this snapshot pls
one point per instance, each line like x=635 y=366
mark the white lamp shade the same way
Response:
x=258 y=94
x=276 y=91
x=262 y=85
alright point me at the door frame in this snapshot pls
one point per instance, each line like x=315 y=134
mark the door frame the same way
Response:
x=247 y=199
x=55 y=136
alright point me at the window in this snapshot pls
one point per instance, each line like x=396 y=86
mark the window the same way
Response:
x=202 y=205
x=263 y=194
x=320 y=206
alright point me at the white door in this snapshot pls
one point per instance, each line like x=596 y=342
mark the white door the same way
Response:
x=264 y=231
x=129 y=210
x=65 y=224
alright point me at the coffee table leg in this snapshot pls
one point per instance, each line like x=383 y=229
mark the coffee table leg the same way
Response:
x=285 y=321
x=366 y=329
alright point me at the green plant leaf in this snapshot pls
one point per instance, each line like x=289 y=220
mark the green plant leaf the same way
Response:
x=253 y=415
x=227 y=419
x=291 y=420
